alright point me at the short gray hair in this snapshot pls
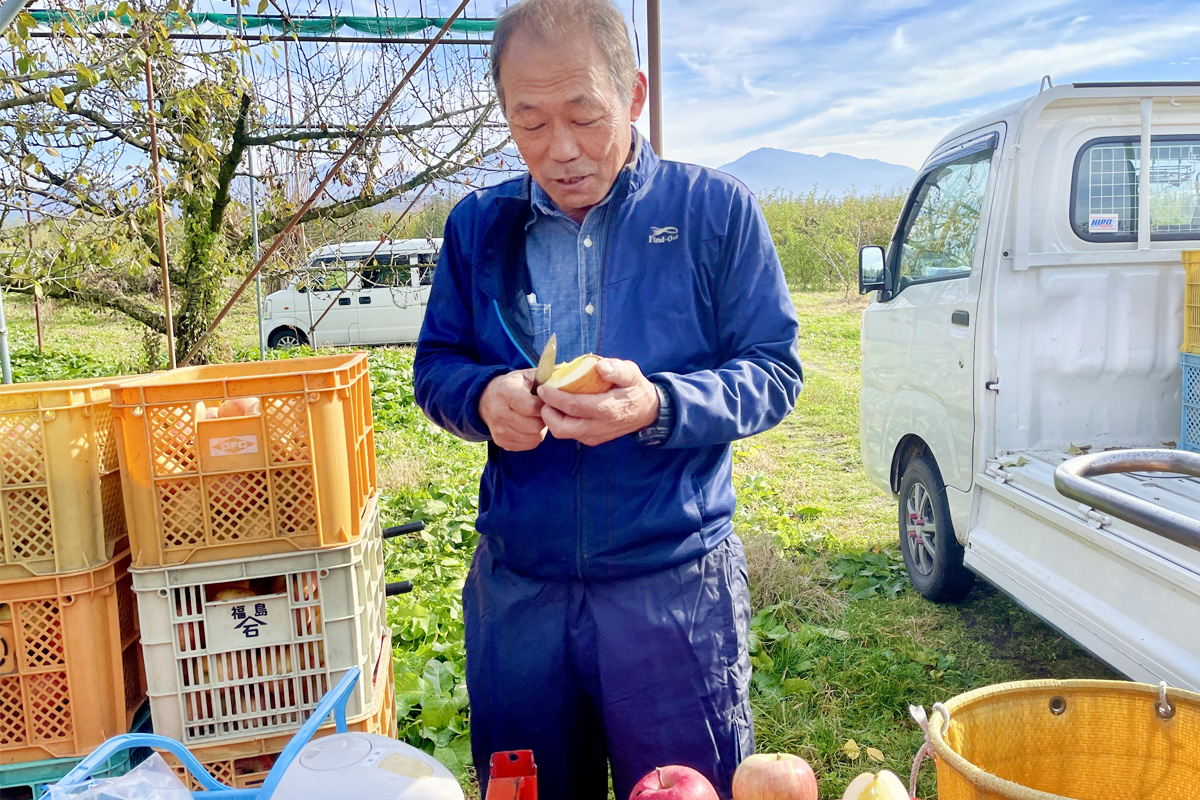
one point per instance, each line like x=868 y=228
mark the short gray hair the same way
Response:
x=549 y=20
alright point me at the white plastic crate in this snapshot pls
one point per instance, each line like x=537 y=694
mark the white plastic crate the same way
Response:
x=237 y=650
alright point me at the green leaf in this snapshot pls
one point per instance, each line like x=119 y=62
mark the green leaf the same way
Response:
x=58 y=98
x=28 y=161
x=192 y=141
x=440 y=675
x=262 y=6
x=52 y=152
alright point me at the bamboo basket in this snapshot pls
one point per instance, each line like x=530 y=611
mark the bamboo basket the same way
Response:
x=1076 y=740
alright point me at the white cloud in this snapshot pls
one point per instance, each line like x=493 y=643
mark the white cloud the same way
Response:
x=885 y=80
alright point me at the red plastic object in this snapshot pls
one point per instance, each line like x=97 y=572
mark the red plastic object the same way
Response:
x=513 y=776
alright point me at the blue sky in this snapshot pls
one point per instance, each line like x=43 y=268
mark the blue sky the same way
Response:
x=879 y=78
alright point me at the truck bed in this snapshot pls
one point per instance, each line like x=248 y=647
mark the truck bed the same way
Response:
x=1084 y=571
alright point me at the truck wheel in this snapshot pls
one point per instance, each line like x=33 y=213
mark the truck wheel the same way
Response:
x=286 y=337
x=933 y=556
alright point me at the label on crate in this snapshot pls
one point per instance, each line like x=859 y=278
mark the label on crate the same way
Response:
x=1103 y=223
x=249 y=622
x=232 y=445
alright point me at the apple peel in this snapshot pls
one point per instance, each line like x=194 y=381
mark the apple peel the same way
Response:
x=869 y=786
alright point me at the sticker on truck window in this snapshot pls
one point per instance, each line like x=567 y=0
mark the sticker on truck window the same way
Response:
x=1102 y=223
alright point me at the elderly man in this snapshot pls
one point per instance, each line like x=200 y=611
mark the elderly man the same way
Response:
x=606 y=607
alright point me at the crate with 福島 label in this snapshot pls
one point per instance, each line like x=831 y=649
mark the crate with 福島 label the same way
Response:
x=244 y=765
x=237 y=650
x=232 y=461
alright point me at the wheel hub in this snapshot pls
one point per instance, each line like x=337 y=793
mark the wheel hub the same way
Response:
x=921 y=529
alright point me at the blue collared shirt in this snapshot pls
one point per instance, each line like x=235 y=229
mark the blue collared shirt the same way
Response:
x=566 y=261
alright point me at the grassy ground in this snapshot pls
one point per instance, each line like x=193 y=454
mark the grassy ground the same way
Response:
x=841 y=645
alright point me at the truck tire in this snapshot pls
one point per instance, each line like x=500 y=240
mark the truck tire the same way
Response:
x=932 y=554
x=286 y=337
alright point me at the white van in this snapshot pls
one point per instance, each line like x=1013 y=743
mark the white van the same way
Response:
x=1027 y=322
x=346 y=296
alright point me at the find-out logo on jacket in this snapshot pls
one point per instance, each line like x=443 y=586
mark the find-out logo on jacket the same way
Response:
x=663 y=235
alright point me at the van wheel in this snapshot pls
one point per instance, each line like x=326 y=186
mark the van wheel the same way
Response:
x=933 y=556
x=286 y=337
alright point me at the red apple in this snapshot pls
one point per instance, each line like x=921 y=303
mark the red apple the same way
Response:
x=674 y=783
x=774 y=776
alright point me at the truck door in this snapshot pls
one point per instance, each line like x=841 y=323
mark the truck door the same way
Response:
x=918 y=368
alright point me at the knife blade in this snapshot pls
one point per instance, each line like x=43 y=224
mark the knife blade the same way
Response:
x=545 y=366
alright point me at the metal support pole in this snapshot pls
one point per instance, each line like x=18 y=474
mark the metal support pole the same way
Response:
x=5 y=365
x=8 y=12
x=162 y=226
x=654 y=45
x=258 y=287
x=37 y=300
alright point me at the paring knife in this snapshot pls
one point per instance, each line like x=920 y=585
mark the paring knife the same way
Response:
x=545 y=365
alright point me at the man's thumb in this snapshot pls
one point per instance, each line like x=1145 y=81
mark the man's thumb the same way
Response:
x=618 y=372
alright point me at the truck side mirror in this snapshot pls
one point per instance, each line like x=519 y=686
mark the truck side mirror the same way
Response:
x=871 y=272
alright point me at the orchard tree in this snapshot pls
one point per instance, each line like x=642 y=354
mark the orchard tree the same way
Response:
x=75 y=147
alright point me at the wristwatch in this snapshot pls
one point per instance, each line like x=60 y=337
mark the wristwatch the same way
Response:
x=660 y=430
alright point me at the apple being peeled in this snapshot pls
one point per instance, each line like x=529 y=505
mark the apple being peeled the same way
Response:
x=774 y=776
x=579 y=376
x=674 y=783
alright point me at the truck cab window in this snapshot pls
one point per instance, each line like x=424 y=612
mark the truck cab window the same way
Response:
x=942 y=222
x=1107 y=178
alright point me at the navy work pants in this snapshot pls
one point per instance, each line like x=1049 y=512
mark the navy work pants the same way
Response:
x=640 y=672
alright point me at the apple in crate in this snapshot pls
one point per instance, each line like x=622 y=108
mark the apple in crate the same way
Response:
x=674 y=783
x=774 y=776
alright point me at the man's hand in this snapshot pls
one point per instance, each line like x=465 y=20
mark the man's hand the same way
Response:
x=512 y=412
x=630 y=405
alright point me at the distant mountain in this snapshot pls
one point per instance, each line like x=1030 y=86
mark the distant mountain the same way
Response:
x=767 y=169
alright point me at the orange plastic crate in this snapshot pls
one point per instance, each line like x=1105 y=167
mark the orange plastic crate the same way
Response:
x=245 y=765
x=71 y=670
x=295 y=476
x=1191 y=302
x=60 y=487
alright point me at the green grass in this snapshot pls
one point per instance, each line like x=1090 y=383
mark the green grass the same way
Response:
x=840 y=643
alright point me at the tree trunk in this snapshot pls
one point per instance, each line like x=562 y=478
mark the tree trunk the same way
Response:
x=201 y=282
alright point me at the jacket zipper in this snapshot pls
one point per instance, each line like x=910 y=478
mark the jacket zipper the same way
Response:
x=508 y=333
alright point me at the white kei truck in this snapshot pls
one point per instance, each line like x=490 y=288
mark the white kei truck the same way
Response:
x=1022 y=383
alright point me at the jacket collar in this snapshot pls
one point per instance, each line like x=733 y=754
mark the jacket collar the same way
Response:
x=504 y=276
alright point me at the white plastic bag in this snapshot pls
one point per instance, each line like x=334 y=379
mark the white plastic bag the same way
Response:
x=150 y=780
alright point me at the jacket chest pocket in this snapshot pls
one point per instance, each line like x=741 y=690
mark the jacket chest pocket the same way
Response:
x=539 y=317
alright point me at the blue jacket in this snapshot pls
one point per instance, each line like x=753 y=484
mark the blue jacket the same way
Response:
x=692 y=291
